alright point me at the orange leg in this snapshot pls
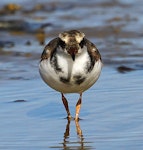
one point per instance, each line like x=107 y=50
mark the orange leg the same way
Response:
x=78 y=106
x=65 y=102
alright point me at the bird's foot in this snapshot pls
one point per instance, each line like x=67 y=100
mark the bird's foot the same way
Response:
x=69 y=118
x=77 y=119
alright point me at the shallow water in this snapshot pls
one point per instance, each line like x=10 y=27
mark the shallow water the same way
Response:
x=111 y=115
x=32 y=115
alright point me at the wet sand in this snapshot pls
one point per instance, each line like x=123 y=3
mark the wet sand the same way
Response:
x=32 y=114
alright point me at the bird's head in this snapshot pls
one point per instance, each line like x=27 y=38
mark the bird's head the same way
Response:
x=71 y=42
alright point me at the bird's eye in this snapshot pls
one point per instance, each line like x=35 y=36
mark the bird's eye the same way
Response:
x=82 y=43
x=62 y=43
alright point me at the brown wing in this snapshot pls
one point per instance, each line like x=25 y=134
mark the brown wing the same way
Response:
x=92 y=50
x=93 y=53
x=50 y=49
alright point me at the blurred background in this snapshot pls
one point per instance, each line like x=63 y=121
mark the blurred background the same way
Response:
x=116 y=27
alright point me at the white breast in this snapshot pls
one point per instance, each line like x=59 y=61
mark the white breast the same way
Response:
x=69 y=69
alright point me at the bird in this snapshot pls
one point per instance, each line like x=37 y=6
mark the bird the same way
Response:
x=70 y=63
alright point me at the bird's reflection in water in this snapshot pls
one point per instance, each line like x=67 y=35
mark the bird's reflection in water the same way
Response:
x=73 y=143
x=79 y=143
x=67 y=143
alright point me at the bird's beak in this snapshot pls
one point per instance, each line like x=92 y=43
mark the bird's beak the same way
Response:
x=72 y=51
x=73 y=57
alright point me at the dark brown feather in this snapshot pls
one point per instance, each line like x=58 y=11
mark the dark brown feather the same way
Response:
x=50 y=49
x=92 y=50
